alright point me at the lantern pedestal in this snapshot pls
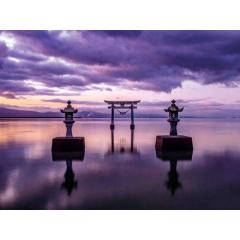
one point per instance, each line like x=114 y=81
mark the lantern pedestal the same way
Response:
x=169 y=142
x=69 y=125
x=173 y=126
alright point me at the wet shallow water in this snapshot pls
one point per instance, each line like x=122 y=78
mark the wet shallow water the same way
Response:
x=130 y=176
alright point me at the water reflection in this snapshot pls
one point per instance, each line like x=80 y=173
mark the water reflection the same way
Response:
x=173 y=182
x=29 y=179
x=122 y=147
x=70 y=183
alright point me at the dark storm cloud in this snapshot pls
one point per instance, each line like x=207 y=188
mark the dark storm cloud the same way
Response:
x=3 y=50
x=8 y=95
x=81 y=47
x=120 y=33
x=29 y=56
x=152 y=60
x=3 y=53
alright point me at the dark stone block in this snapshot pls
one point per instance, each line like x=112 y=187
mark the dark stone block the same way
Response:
x=168 y=142
x=174 y=155
x=64 y=156
x=68 y=144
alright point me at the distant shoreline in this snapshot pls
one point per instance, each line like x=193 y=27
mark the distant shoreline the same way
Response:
x=183 y=117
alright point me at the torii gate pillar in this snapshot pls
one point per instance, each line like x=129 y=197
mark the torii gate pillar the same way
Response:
x=112 y=117
x=132 y=126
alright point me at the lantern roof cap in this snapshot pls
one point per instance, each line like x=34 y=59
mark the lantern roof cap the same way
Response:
x=69 y=108
x=174 y=107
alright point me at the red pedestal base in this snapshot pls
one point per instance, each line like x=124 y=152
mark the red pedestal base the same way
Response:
x=68 y=144
x=168 y=142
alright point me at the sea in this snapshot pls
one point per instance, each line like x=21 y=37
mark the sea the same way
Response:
x=119 y=169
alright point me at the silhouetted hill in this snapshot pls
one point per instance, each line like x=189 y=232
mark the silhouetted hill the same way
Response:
x=16 y=113
x=90 y=114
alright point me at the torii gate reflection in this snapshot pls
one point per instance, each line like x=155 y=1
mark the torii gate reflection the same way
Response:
x=132 y=149
x=124 y=105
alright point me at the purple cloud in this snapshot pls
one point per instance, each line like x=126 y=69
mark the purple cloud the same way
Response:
x=154 y=60
x=3 y=50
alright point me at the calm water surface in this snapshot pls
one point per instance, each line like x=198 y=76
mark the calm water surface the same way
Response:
x=117 y=173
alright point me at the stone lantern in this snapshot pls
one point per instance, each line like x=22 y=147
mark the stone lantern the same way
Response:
x=69 y=111
x=68 y=147
x=173 y=141
x=173 y=111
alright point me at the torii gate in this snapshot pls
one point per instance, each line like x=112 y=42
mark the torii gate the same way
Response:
x=118 y=105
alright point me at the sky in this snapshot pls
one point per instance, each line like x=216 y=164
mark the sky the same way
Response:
x=41 y=70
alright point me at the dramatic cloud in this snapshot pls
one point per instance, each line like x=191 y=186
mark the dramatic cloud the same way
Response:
x=3 y=50
x=148 y=60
